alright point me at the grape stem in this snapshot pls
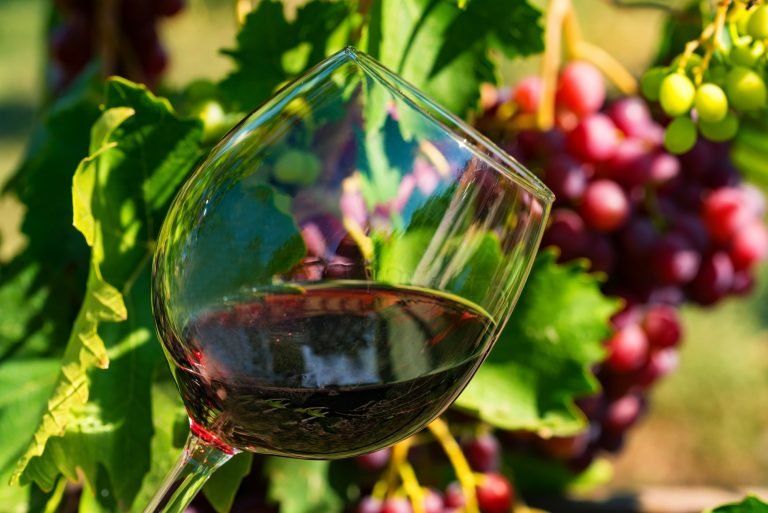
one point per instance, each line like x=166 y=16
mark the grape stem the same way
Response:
x=709 y=38
x=561 y=19
x=550 y=62
x=387 y=485
x=440 y=430
x=411 y=485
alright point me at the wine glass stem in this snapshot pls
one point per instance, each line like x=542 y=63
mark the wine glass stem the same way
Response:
x=193 y=468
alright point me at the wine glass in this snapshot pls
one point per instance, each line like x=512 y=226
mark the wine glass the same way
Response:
x=332 y=275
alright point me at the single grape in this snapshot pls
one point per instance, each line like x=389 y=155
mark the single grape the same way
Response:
x=630 y=164
x=675 y=260
x=631 y=116
x=527 y=94
x=374 y=461
x=494 y=494
x=680 y=135
x=664 y=167
x=605 y=206
x=743 y=283
x=714 y=280
x=745 y=89
x=538 y=145
x=749 y=246
x=662 y=326
x=369 y=505
x=692 y=228
x=563 y=448
x=711 y=103
x=676 y=94
x=566 y=177
x=747 y=55
x=484 y=453
x=720 y=131
x=433 y=501
x=660 y=363
x=757 y=26
x=581 y=88
x=567 y=232
x=454 y=496
x=622 y=413
x=594 y=139
x=627 y=349
x=639 y=237
x=396 y=505
x=724 y=212
x=650 y=83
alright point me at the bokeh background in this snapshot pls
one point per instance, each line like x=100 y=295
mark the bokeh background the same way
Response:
x=709 y=420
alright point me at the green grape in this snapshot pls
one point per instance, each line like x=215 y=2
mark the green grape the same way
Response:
x=297 y=167
x=676 y=94
x=747 y=55
x=650 y=83
x=711 y=102
x=680 y=135
x=745 y=89
x=757 y=27
x=719 y=131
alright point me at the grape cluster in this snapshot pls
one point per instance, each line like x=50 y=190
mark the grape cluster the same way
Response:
x=495 y=493
x=123 y=35
x=708 y=95
x=664 y=229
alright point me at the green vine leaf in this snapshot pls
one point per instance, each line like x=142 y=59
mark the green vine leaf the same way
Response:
x=99 y=418
x=750 y=504
x=443 y=48
x=302 y=486
x=221 y=488
x=542 y=359
x=271 y=50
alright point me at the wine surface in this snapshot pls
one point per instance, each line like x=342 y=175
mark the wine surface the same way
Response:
x=326 y=371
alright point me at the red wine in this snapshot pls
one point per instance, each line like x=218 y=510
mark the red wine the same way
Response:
x=326 y=371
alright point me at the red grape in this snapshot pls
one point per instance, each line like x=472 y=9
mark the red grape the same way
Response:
x=660 y=363
x=369 y=505
x=594 y=139
x=567 y=232
x=605 y=206
x=494 y=494
x=631 y=163
x=675 y=260
x=581 y=88
x=566 y=177
x=622 y=413
x=662 y=326
x=725 y=211
x=714 y=280
x=527 y=94
x=484 y=453
x=433 y=502
x=375 y=460
x=396 y=505
x=631 y=116
x=627 y=349
x=454 y=496
x=749 y=245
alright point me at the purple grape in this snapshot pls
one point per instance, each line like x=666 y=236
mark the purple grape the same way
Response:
x=374 y=461
x=566 y=177
x=714 y=280
x=675 y=260
x=567 y=232
x=484 y=453
x=631 y=116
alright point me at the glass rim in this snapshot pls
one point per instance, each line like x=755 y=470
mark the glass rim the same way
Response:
x=463 y=133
